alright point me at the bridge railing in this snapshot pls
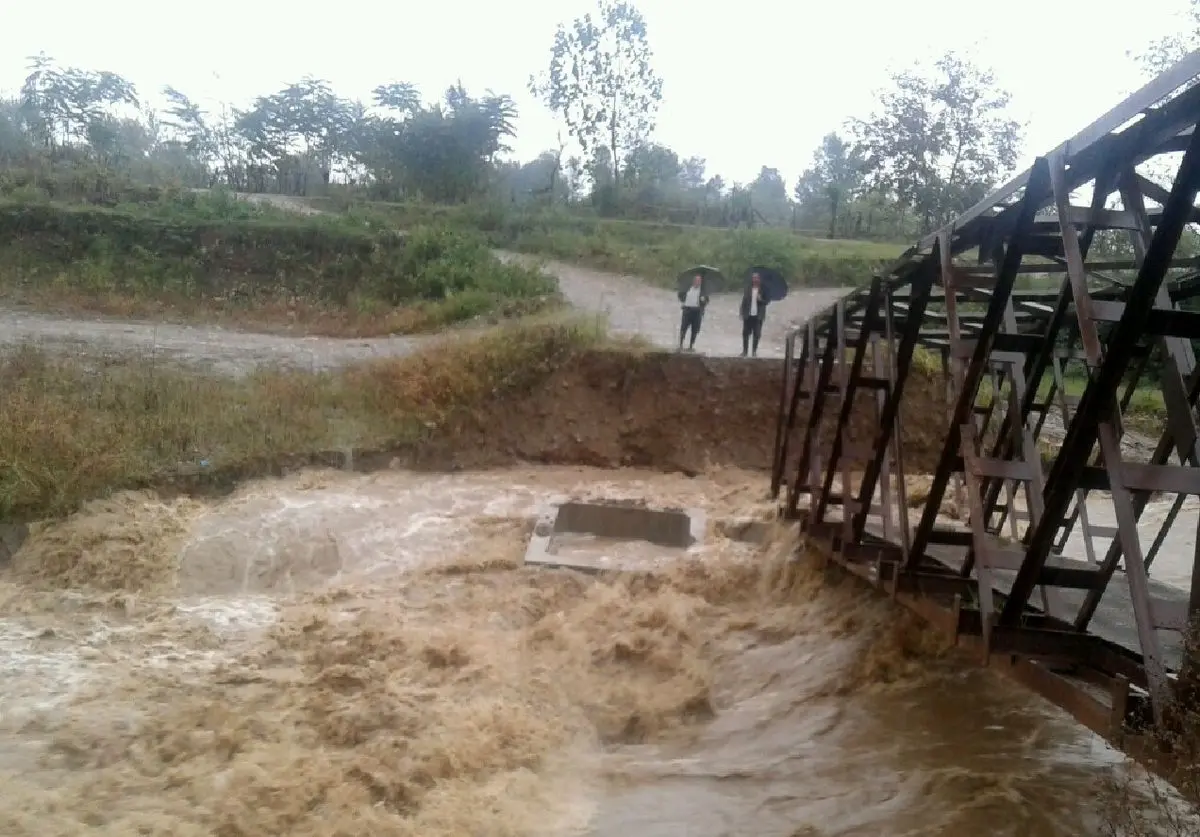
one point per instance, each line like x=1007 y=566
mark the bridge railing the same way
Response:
x=1005 y=550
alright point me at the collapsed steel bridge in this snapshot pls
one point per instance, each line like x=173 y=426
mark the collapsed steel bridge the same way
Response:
x=1019 y=315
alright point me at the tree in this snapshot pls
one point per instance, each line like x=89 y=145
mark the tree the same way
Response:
x=835 y=178
x=652 y=173
x=186 y=122
x=71 y=128
x=445 y=152
x=375 y=136
x=740 y=209
x=15 y=140
x=303 y=125
x=768 y=193
x=398 y=97
x=60 y=105
x=116 y=142
x=1171 y=48
x=541 y=179
x=601 y=171
x=692 y=176
x=601 y=83
x=940 y=141
x=321 y=120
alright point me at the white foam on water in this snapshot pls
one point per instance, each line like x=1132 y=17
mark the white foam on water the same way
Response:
x=232 y=615
x=34 y=676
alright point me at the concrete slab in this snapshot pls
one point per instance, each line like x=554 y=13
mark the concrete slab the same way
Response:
x=600 y=537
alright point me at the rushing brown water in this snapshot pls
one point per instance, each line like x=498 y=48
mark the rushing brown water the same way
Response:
x=338 y=654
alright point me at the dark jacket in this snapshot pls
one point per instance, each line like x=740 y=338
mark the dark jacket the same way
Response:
x=703 y=298
x=762 y=304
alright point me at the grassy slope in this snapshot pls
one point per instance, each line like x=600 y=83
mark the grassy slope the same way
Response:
x=192 y=257
x=655 y=252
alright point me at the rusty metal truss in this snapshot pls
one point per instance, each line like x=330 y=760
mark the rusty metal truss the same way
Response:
x=1049 y=575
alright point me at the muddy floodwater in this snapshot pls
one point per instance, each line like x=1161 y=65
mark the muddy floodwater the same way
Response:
x=341 y=654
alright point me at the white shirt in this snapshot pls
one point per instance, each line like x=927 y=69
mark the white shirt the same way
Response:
x=754 y=302
x=692 y=299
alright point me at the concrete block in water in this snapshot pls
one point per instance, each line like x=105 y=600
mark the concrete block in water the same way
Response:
x=672 y=529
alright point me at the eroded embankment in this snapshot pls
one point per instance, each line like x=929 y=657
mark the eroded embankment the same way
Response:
x=541 y=393
x=671 y=412
x=615 y=409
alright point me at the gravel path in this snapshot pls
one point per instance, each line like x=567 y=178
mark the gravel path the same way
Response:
x=225 y=350
x=635 y=308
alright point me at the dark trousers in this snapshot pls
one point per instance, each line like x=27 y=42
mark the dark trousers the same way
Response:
x=751 y=331
x=690 y=321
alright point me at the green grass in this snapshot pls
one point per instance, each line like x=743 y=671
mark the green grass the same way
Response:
x=211 y=257
x=1146 y=411
x=654 y=252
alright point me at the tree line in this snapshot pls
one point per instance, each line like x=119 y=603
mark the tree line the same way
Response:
x=938 y=140
x=297 y=140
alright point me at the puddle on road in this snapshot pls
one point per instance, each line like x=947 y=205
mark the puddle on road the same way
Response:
x=347 y=654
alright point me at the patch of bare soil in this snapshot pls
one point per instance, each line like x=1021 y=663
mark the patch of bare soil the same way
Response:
x=672 y=412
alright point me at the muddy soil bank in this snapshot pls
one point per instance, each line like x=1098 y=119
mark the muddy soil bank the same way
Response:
x=669 y=412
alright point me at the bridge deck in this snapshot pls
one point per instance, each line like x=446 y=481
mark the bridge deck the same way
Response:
x=1114 y=619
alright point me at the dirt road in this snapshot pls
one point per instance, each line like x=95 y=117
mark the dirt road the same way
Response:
x=635 y=308
x=632 y=308
x=225 y=350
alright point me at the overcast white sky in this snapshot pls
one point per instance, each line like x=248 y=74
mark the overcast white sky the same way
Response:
x=746 y=83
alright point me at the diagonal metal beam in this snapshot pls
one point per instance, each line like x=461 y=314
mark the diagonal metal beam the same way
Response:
x=903 y=357
x=816 y=411
x=1039 y=182
x=847 y=405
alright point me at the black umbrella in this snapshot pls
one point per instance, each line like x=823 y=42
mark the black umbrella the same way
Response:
x=712 y=278
x=774 y=286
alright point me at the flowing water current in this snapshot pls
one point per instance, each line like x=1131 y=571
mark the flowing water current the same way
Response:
x=338 y=654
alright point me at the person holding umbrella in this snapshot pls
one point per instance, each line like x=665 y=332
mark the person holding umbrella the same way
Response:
x=693 y=296
x=757 y=295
